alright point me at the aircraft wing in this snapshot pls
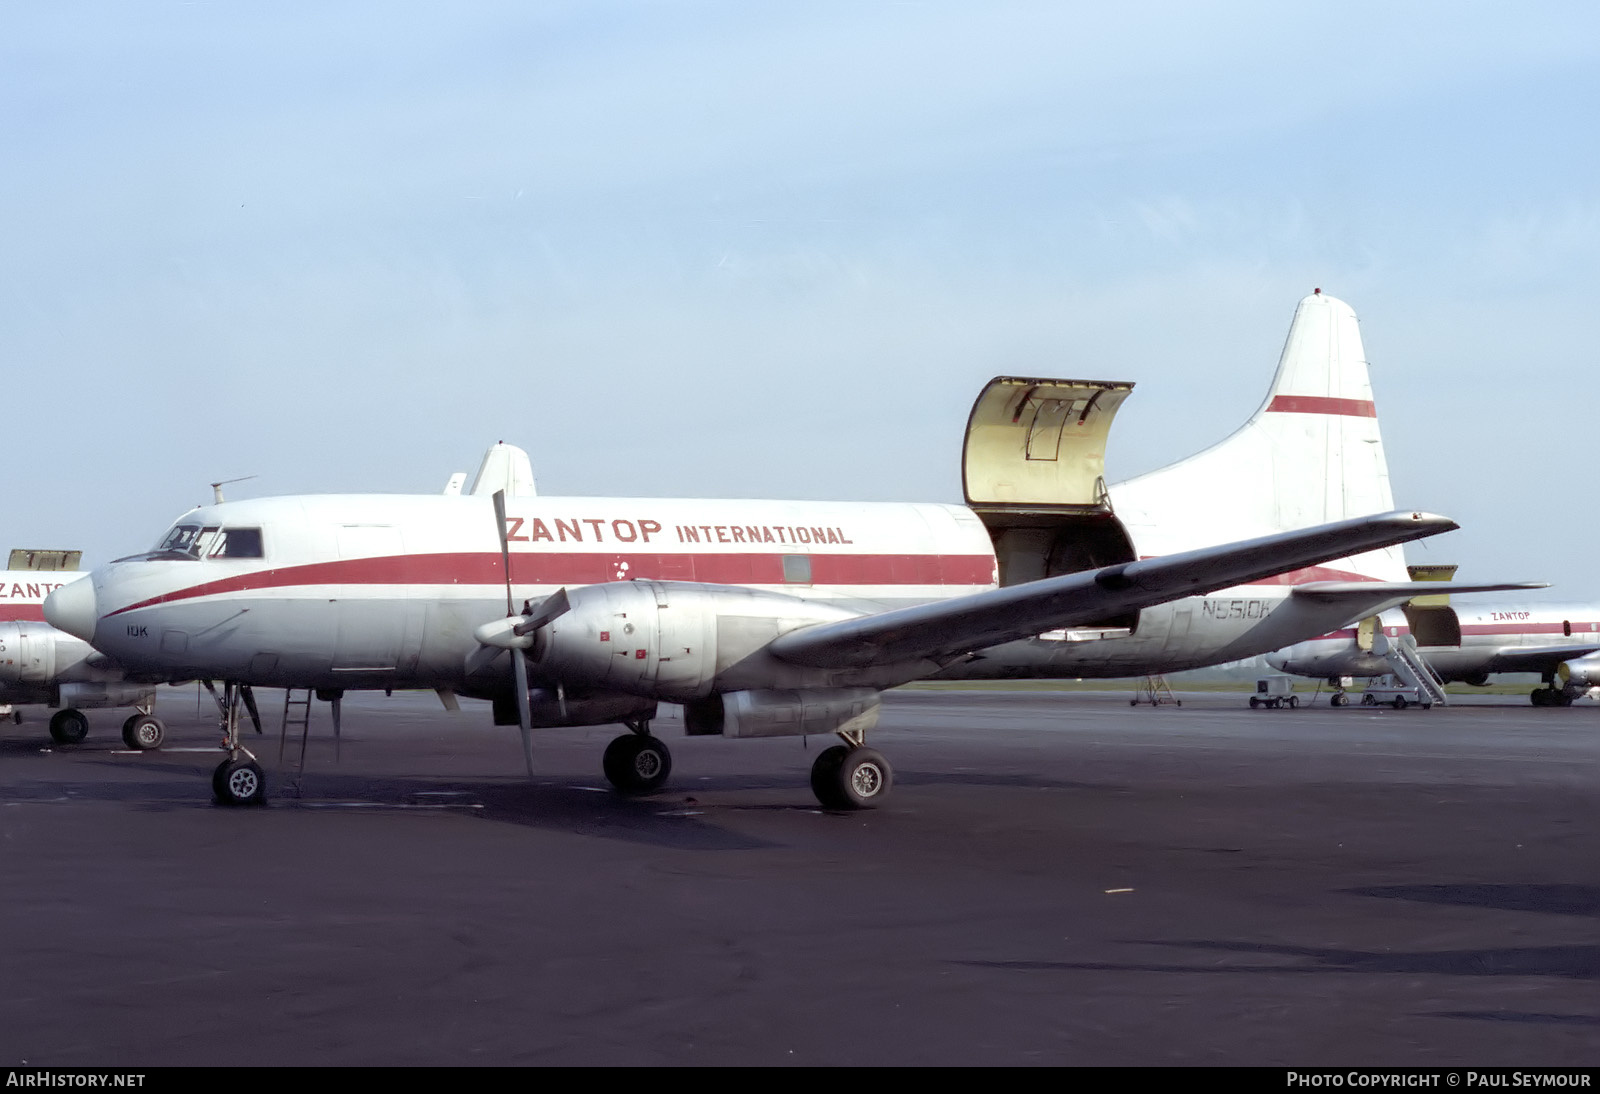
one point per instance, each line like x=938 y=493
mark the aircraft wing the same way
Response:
x=1533 y=658
x=949 y=628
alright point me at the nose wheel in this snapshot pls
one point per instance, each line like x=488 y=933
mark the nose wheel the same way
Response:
x=851 y=776
x=239 y=782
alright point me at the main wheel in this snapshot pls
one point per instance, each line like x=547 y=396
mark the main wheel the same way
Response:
x=239 y=782
x=637 y=763
x=143 y=731
x=68 y=727
x=851 y=778
x=825 y=777
x=1338 y=700
x=865 y=777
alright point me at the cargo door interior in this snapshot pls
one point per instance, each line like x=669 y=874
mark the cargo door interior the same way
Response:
x=1432 y=620
x=1033 y=470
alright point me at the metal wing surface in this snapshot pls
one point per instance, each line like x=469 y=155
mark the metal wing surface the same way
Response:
x=950 y=628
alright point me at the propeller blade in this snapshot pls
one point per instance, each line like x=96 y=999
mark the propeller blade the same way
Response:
x=519 y=669
x=250 y=705
x=519 y=664
x=551 y=607
x=505 y=544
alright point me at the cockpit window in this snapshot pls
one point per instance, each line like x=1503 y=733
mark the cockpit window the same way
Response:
x=238 y=543
x=194 y=541
x=180 y=539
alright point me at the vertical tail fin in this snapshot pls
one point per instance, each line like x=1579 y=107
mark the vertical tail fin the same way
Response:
x=1311 y=454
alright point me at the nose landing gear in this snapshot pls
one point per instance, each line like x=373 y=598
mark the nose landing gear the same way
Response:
x=238 y=780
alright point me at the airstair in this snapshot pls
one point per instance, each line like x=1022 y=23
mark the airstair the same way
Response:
x=1410 y=669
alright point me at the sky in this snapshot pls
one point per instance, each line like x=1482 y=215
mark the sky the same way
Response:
x=774 y=250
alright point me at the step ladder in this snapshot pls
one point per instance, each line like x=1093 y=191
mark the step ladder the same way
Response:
x=1154 y=690
x=296 y=714
x=1409 y=667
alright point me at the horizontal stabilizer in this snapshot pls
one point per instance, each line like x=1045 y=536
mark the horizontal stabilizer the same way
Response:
x=950 y=628
x=1539 y=659
x=1327 y=591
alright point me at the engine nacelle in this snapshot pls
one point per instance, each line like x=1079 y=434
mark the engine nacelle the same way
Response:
x=1582 y=671
x=109 y=693
x=783 y=712
x=664 y=639
x=37 y=653
x=549 y=708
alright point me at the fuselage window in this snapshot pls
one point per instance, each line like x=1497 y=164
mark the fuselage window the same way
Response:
x=239 y=543
x=1566 y=627
x=797 y=569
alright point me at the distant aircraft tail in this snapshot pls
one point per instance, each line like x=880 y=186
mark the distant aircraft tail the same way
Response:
x=1310 y=455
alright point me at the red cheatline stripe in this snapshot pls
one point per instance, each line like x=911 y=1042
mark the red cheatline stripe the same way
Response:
x=31 y=613
x=1322 y=404
x=1580 y=629
x=541 y=568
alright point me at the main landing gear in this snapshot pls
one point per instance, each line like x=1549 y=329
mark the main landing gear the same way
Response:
x=68 y=727
x=851 y=775
x=238 y=780
x=636 y=762
x=143 y=730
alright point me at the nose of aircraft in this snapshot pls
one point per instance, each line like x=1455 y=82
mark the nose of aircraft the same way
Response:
x=71 y=608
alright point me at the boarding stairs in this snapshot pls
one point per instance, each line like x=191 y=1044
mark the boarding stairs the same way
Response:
x=1410 y=669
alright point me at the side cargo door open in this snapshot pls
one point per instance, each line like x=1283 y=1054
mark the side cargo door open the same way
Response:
x=1033 y=469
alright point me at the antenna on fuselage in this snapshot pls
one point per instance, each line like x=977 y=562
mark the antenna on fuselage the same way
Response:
x=216 y=487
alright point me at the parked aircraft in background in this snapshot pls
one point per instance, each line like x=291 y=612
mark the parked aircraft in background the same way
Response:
x=766 y=618
x=1559 y=642
x=40 y=665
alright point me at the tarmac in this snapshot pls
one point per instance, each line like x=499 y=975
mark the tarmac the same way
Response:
x=1059 y=878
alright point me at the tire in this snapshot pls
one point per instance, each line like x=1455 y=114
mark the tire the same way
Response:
x=1338 y=701
x=68 y=727
x=1369 y=701
x=1254 y=702
x=1294 y=702
x=825 y=777
x=1399 y=702
x=637 y=763
x=864 y=779
x=239 y=782
x=142 y=732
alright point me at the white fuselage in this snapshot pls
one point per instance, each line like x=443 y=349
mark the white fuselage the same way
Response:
x=385 y=591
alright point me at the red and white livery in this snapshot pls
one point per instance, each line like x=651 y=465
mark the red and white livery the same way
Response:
x=785 y=617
